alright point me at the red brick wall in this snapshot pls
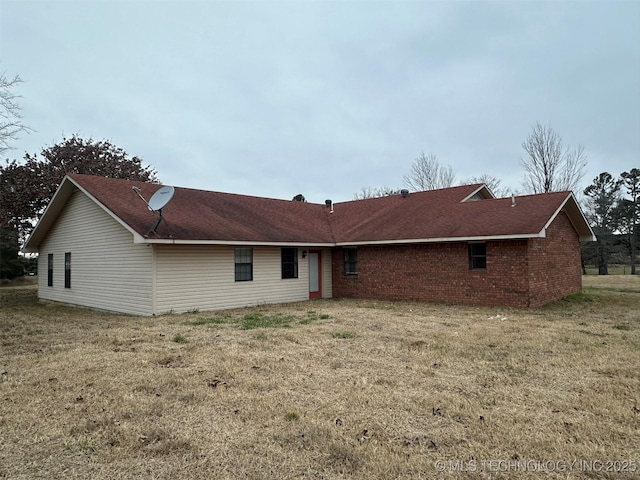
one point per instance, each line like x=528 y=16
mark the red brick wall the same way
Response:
x=437 y=272
x=519 y=273
x=554 y=263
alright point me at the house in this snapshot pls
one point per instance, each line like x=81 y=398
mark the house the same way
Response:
x=101 y=247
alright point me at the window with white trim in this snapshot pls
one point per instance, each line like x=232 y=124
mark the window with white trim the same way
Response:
x=67 y=270
x=289 y=262
x=244 y=264
x=350 y=261
x=50 y=270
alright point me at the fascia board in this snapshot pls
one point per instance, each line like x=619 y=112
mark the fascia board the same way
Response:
x=170 y=241
x=443 y=239
x=591 y=237
x=584 y=238
x=51 y=211
x=555 y=214
x=479 y=189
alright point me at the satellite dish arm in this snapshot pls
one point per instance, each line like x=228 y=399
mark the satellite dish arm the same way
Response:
x=137 y=190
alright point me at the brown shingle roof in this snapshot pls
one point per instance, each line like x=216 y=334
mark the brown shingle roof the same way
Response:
x=211 y=216
x=441 y=214
x=200 y=216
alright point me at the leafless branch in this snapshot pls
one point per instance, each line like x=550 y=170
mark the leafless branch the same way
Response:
x=549 y=166
x=427 y=174
x=10 y=117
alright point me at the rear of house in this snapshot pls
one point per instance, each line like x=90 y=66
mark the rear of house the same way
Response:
x=217 y=251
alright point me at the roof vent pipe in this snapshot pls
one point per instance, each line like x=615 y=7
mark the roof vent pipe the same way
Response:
x=329 y=204
x=513 y=200
x=404 y=192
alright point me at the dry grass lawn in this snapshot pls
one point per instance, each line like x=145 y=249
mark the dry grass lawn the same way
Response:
x=324 y=390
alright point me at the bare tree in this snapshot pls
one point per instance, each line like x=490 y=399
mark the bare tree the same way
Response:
x=427 y=174
x=549 y=166
x=490 y=181
x=375 y=192
x=10 y=119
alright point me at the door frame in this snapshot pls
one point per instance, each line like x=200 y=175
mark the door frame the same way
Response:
x=317 y=294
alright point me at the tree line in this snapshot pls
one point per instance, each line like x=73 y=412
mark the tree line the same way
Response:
x=612 y=207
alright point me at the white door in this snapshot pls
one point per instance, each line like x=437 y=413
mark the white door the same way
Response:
x=315 y=275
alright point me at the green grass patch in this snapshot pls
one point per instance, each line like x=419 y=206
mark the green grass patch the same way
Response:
x=313 y=316
x=622 y=326
x=343 y=334
x=515 y=371
x=291 y=416
x=257 y=319
x=180 y=339
x=211 y=321
x=261 y=320
x=579 y=297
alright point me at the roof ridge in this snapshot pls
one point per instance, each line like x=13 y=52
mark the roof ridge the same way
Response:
x=418 y=192
x=74 y=175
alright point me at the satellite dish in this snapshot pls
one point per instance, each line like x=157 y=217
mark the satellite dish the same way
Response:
x=159 y=199
x=156 y=203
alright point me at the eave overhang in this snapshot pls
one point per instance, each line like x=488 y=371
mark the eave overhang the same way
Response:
x=482 y=238
x=172 y=241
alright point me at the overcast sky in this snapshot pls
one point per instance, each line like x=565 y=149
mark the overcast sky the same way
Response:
x=276 y=98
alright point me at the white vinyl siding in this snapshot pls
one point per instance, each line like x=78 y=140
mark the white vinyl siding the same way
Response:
x=109 y=271
x=203 y=278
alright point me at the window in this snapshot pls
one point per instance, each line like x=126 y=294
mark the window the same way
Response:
x=50 y=270
x=67 y=270
x=244 y=264
x=289 y=263
x=477 y=256
x=350 y=261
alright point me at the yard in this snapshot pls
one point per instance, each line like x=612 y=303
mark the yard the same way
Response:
x=324 y=390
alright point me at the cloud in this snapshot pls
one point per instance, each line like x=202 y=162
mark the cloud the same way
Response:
x=323 y=98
